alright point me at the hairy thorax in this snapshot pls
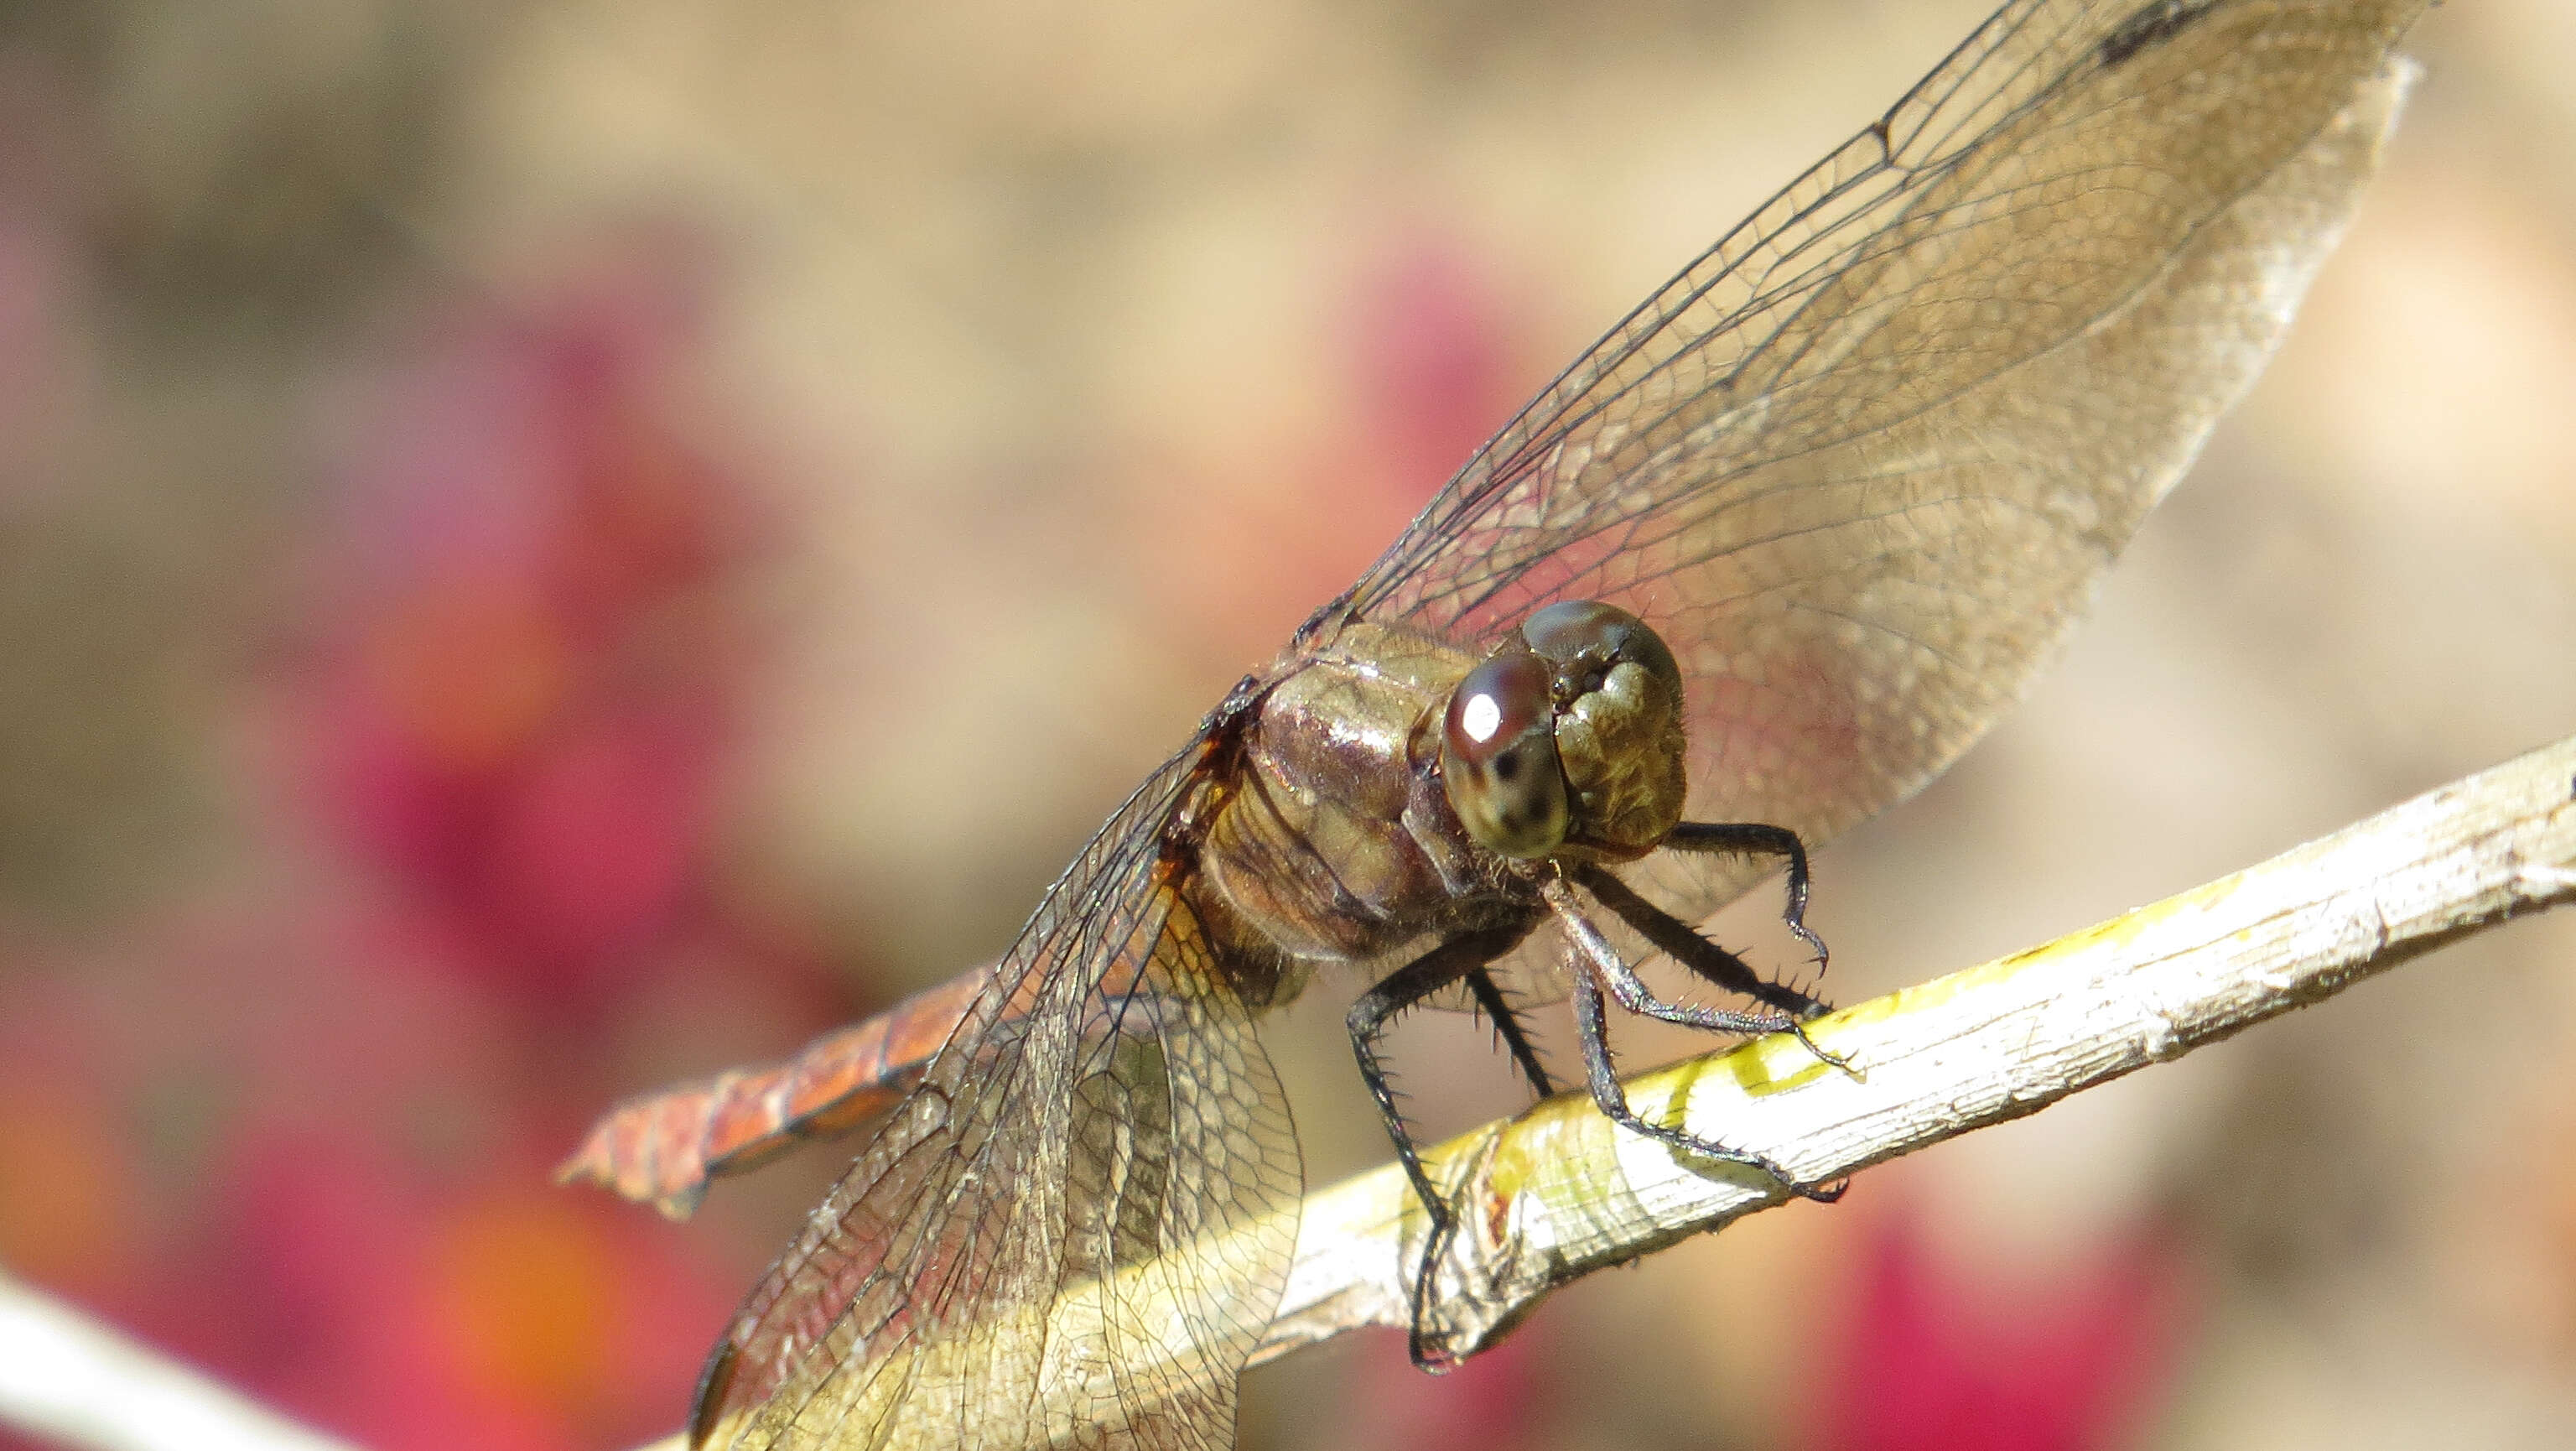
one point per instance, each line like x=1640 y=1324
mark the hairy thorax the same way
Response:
x=1336 y=842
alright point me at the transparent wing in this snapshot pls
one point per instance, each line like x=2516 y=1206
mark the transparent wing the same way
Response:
x=1863 y=461
x=1075 y=1227
x=1859 y=464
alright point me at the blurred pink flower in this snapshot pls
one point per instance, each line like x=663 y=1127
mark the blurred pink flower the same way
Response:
x=297 y=1127
x=345 y=1290
x=522 y=694
x=1494 y=1401
x=1430 y=343
x=1932 y=1362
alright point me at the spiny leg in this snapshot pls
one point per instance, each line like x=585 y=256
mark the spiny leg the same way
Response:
x=1682 y=942
x=1754 y=838
x=1507 y=1026
x=1704 y=958
x=1399 y=990
x=1597 y=964
x=1591 y=1019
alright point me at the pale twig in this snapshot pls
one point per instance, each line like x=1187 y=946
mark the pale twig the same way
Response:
x=1560 y=1191
x=70 y=1379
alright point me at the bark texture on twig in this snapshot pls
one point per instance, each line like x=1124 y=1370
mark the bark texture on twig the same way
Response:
x=1560 y=1191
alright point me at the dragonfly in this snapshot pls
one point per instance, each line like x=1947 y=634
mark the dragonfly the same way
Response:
x=1760 y=563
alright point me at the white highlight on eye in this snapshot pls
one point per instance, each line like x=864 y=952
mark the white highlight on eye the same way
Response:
x=1482 y=717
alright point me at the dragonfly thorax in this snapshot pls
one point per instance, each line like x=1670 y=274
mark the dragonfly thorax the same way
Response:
x=1391 y=785
x=1570 y=735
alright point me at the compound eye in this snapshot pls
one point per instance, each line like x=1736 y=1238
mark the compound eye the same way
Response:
x=1498 y=757
x=1587 y=633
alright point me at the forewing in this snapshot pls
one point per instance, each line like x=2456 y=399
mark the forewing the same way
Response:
x=1071 y=1232
x=1863 y=461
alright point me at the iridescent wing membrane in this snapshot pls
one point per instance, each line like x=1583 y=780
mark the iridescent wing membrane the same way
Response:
x=1859 y=464
x=1864 y=461
x=1072 y=1231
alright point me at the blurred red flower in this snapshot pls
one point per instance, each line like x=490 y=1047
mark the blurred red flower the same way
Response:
x=1934 y=1362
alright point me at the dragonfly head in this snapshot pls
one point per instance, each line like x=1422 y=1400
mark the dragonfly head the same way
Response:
x=1569 y=735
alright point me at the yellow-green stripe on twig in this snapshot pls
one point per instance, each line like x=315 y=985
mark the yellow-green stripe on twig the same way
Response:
x=1559 y=1191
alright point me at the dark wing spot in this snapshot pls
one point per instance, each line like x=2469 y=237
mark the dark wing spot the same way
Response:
x=2153 y=25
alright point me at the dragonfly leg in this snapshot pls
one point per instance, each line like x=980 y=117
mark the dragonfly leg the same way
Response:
x=1715 y=964
x=1600 y=966
x=1704 y=958
x=1463 y=956
x=1506 y=1019
x=1754 y=838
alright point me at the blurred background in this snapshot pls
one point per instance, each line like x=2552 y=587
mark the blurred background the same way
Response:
x=550 y=546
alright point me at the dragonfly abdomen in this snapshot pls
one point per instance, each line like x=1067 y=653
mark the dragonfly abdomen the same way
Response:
x=663 y=1147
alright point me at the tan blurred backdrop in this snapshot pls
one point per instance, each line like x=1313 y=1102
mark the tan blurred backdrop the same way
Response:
x=1068 y=354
